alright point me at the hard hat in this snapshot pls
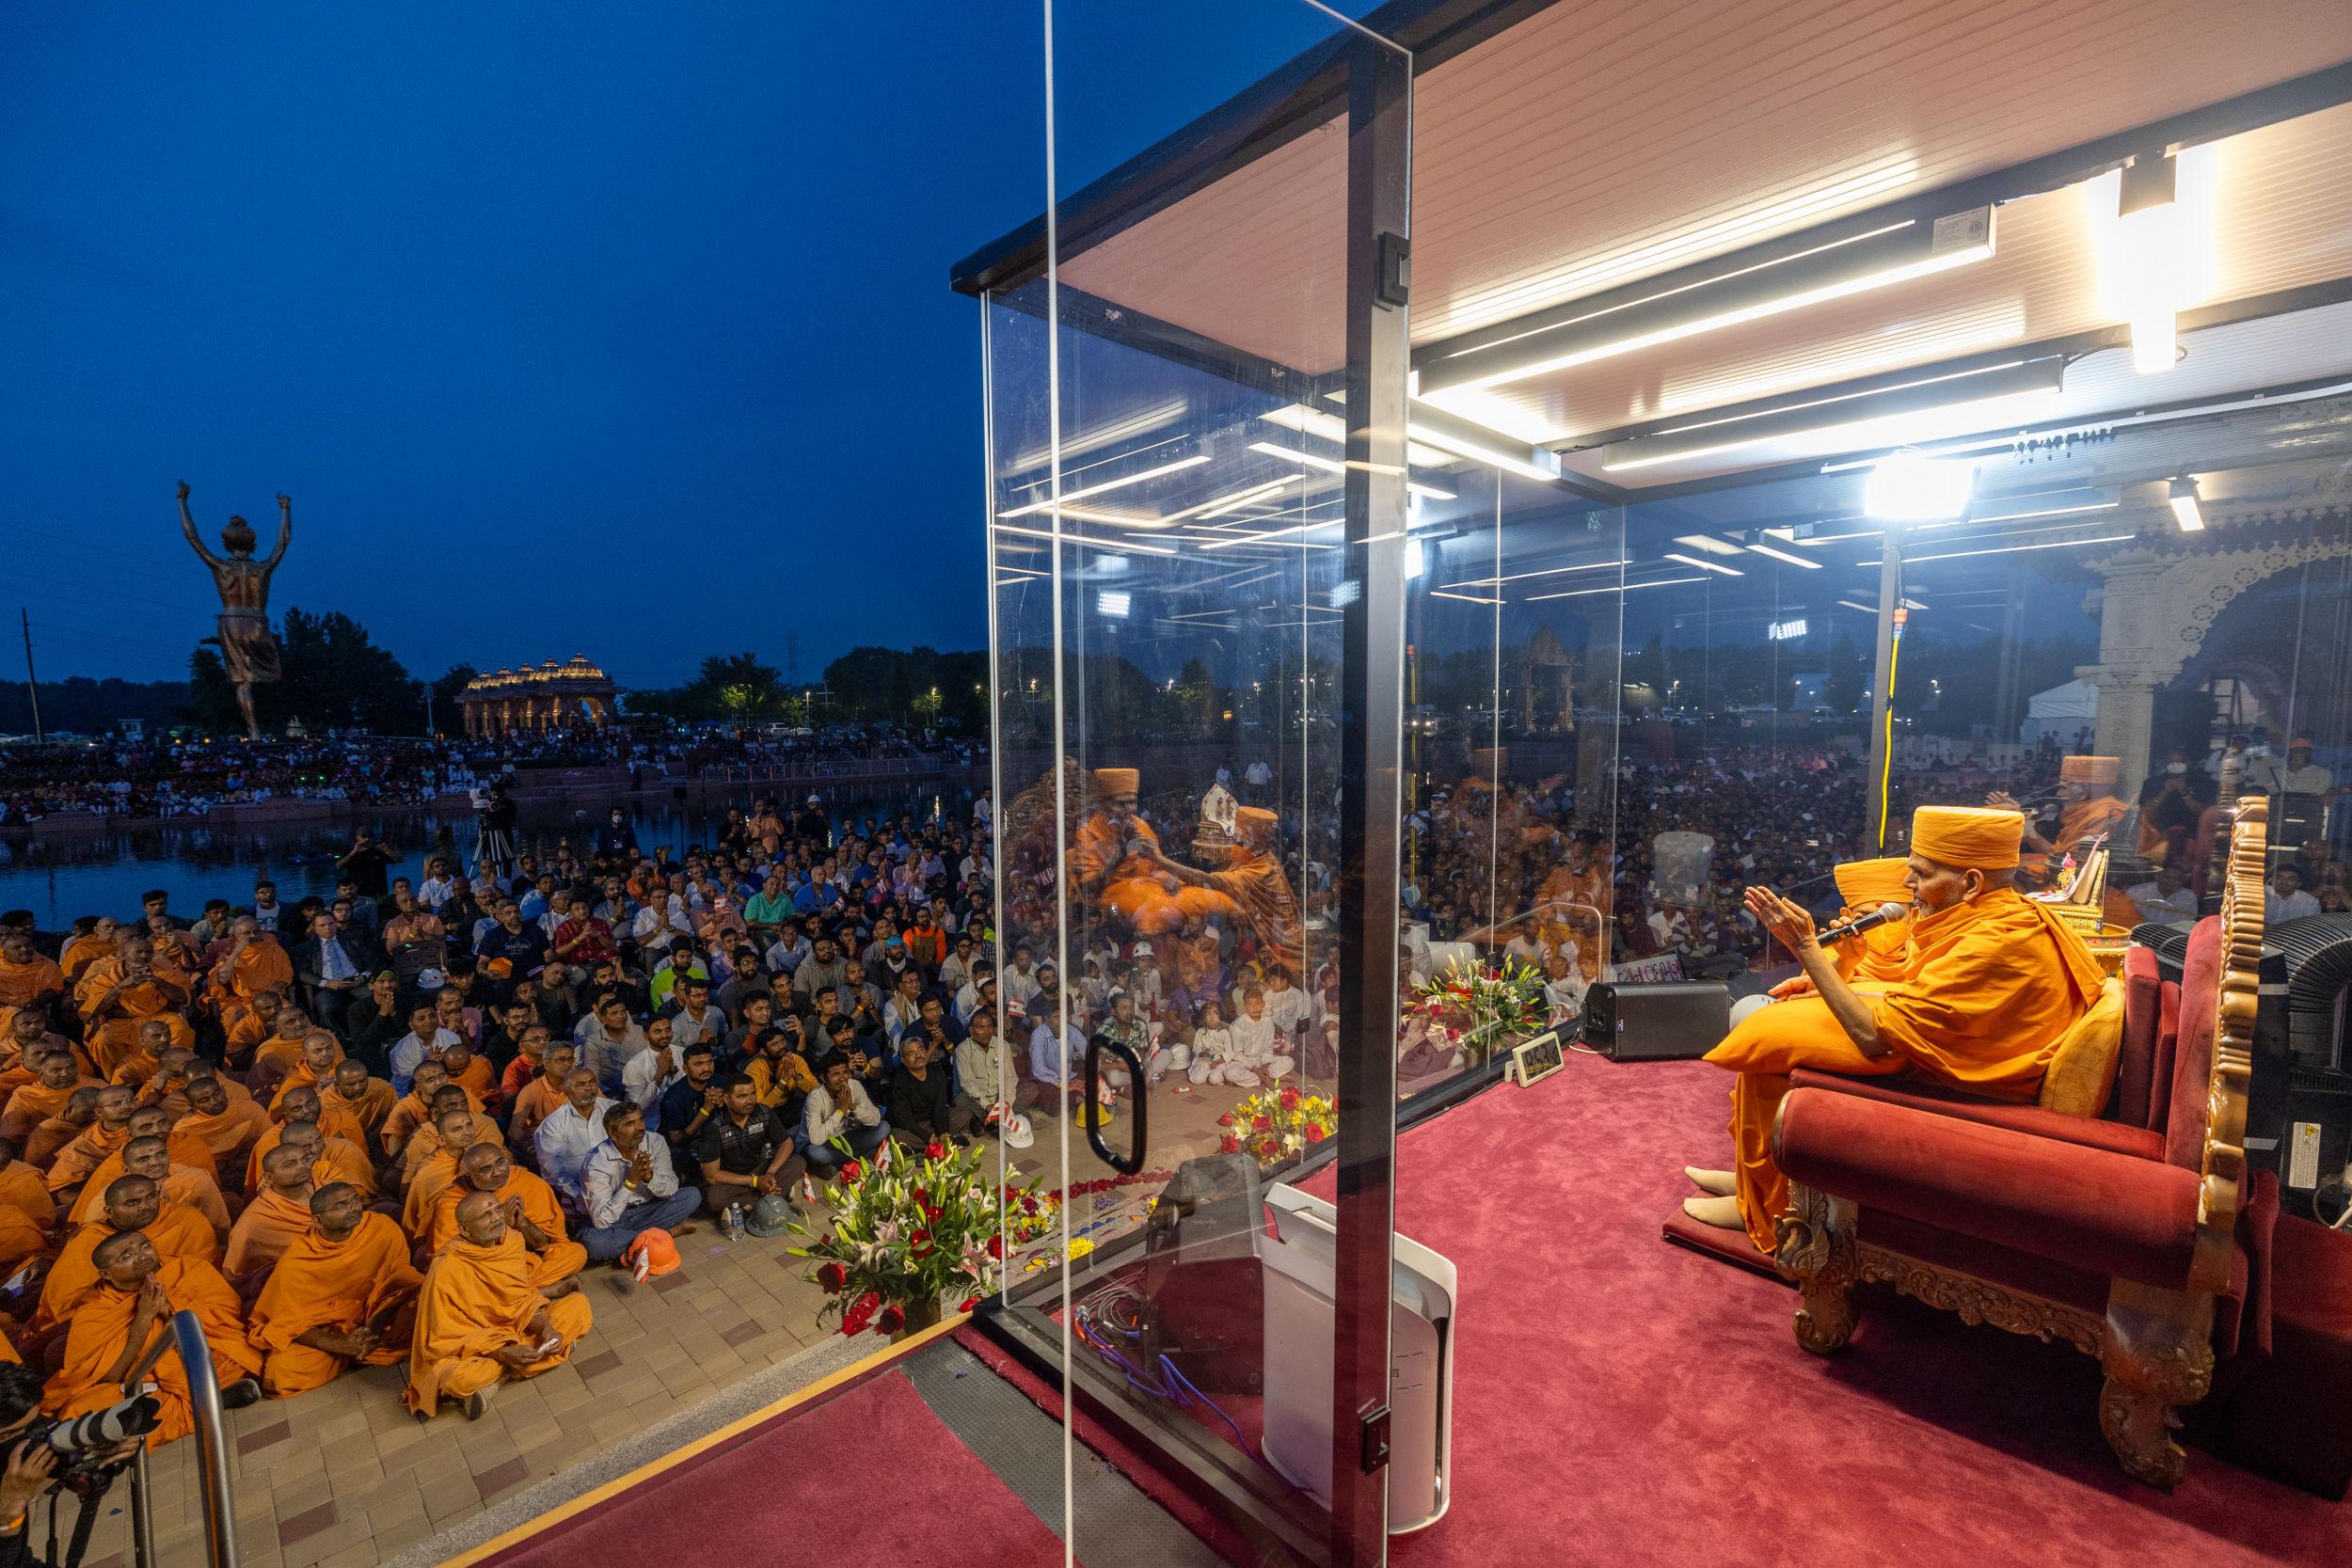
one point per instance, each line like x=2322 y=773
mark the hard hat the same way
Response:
x=652 y=1254
x=771 y=1215
x=1016 y=1133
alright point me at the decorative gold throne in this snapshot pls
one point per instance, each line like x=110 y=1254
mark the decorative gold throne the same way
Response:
x=2121 y=1234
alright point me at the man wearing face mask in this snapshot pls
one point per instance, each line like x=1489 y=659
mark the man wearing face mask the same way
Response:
x=1989 y=985
x=617 y=838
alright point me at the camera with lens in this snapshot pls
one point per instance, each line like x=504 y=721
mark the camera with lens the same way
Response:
x=88 y=1446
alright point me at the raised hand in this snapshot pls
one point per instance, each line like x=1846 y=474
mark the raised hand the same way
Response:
x=1789 y=922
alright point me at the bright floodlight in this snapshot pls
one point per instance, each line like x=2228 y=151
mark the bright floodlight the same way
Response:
x=1909 y=486
x=2186 y=510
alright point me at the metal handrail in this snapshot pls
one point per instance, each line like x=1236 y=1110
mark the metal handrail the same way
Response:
x=211 y=1436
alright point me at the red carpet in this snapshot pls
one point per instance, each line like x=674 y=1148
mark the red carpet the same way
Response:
x=868 y=1478
x=1651 y=1406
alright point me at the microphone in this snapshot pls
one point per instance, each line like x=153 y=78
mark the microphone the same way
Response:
x=1861 y=923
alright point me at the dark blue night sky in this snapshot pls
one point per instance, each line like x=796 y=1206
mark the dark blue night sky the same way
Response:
x=611 y=328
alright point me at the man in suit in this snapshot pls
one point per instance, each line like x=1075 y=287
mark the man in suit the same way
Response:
x=329 y=972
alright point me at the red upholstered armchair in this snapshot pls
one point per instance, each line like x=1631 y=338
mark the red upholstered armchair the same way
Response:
x=2121 y=1234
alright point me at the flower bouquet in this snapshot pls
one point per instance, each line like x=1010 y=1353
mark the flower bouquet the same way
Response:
x=1277 y=1125
x=910 y=1233
x=1478 y=1008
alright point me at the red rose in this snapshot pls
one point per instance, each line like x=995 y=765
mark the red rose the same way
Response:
x=996 y=1246
x=1268 y=1149
x=833 y=1278
x=861 y=1314
x=1029 y=1203
x=930 y=1212
x=1289 y=1100
x=892 y=1320
x=1315 y=1134
x=919 y=1243
x=850 y=1172
x=934 y=1150
x=969 y=1302
x=1226 y=1120
x=1261 y=1124
x=1229 y=1144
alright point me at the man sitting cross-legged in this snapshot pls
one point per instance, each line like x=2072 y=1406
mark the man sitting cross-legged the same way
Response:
x=746 y=1150
x=122 y=1333
x=530 y=1207
x=630 y=1188
x=482 y=1317
x=1991 y=983
x=924 y=1105
x=840 y=1109
x=342 y=1293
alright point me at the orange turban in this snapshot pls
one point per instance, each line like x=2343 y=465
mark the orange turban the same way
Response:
x=1968 y=836
x=2097 y=770
x=1255 y=822
x=1117 y=780
x=1866 y=884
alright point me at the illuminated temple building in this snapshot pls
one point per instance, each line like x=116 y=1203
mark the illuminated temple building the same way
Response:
x=538 y=697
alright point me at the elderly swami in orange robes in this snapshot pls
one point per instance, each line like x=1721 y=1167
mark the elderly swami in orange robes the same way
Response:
x=1989 y=985
x=121 y=1332
x=480 y=1318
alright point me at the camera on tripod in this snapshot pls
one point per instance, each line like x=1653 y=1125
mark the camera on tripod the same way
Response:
x=87 y=1446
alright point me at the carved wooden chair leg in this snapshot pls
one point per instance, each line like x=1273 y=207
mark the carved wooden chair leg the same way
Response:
x=2157 y=1352
x=1816 y=1250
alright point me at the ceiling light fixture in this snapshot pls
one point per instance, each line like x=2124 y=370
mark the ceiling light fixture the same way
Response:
x=1441 y=428
x=1122 y=546
x=1659 y=311
x=1704 y=565
x=1613 y=588
x=2007 y=549
x=1784 y=555
x=1708 y=543
x=1956 y=396
x=1068 y=496
x=1909 y=486
x=1547 y=572
x=2186 y=510
x=2151 y=230
x=1465 y=598
x=1334 y=466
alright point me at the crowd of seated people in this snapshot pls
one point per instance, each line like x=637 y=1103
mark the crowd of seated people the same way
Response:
x=356 y=1132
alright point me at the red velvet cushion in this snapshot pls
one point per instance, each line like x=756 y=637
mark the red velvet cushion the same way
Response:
x=1921 y=1093
x=2192 y=1061
x=2168 y=1048
x=2143 y=1005
x=2100 y=1212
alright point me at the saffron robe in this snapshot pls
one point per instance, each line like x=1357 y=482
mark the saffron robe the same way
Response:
x=478 y=1300
x=338 y=1285
x=102 y=1326
x=564 y=1257
x=176 y=1232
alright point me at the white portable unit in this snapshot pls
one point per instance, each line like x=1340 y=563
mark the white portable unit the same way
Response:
x=1298 y=1261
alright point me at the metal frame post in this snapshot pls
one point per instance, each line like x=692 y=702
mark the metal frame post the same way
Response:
x=212 y=1440
x=1372 y=603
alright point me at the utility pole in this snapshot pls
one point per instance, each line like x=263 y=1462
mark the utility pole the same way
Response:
x=428 y=710
x=32 y=684
x=792 y=659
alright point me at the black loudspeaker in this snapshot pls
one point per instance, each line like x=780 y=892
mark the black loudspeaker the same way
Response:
x=1201 y=1276
x=1671 y=1022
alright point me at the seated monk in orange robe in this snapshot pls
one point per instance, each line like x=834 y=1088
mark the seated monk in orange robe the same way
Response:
x=116 y=995
x=153 y=1121
x=414 y=1111
x=305 y=1103
x=278 y=1054
x=1114 y=862
x=122 y=1333
x=132 y=1203
x=470 y=1072
x=27 y=975
x=227 y=1124
x=331 y=1159
x=481 y=1317
x=276 y=1217
x=22 y=1189
x=146 y=1057
x=255 y=962
x=246 y=1024
x=1990 y=984
x=530 y=1206
x=109 y=1130
x=445 y=1142
x=1259 y=889
x=58 y=1075
x=305 y=1106
x=74 y=1117
x=20 y=1237
x=150 y=1156
x=344 y=1293
x=27 y=1038
x=365 y=1100
x=94 y=939
x=321 y=1051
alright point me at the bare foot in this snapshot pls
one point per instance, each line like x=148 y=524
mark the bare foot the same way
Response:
x=1717 y=1181
x=686 y=1229
x=1722 y=1212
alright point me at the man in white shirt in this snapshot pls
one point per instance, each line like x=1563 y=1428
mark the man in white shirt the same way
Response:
x=423 y=1042
x=609 y=1039
x=1054 y=1063
x=628 y=1187
x=2170 y=893
x=957 y=968
x=840 y=1108
x=696 y=1019
x=1019 y=983
x=969 y=994
x=439 y=885
x=571 y=1134
x=2285 y=899
x=649 y=1073
x=1286 y=1005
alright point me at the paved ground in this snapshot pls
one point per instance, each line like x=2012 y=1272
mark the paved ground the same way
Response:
x=344 y=1476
